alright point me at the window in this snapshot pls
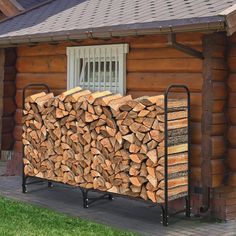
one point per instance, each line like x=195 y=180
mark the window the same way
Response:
x=98 y=68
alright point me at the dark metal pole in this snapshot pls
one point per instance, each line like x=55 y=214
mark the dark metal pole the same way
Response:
x=188 y=199
x=85 y=197
x=165 y=212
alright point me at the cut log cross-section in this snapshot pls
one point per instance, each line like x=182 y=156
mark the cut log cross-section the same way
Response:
x=107 y=142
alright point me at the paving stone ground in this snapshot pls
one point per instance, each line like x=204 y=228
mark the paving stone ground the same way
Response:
x=3 y=165
x=121 y=213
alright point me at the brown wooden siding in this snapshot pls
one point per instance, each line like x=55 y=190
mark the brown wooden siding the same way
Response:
x=9 y=105
x=152 y=65
x=224 y=198
x=232 y=111
x=214 y=122
x=2 y=65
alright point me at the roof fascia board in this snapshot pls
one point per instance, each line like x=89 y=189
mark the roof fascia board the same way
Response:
x=230 y=19
x=17 y=5
x=26 y=11
x=10 y=7
x=228 y=10
x=109 y=32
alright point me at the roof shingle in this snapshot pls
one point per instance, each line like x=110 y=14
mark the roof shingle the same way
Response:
x=71 y=15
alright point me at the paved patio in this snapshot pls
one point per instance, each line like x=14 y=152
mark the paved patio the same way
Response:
x=121 y=213
x=3 y=165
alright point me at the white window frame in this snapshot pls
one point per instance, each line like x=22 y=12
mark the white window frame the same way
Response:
x=98 y=53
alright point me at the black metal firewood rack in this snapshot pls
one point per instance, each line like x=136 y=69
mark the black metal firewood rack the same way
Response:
x=87 y=201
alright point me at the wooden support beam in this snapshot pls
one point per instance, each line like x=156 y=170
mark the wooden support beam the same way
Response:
x=10 y=7
x=208 y=100
x=2 y=62
x=230 y=16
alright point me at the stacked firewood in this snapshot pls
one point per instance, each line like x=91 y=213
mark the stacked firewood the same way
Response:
x=107 y=142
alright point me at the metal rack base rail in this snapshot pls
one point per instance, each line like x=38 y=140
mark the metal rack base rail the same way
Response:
x=87 y=201
x=165 y=206
x=24 y=176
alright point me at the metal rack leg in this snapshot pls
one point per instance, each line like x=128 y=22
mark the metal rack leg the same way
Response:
x=88 y=201
x=110 y=197
x=164 y=216
x=188 y=207
x=24 y=189
x=85 y=198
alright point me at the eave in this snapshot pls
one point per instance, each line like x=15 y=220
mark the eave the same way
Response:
x=204 y=24
x=230 y=19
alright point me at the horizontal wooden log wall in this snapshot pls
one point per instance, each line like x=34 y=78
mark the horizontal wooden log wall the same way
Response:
x=152 y=65
x=224 y=198
x=9 y=105
x=214 y=125
x=232 y=111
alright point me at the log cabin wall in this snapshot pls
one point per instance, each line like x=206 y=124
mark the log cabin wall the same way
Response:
x=2 y=64
x=232 y=111
x=152 y=65
x=225 y=198
x=9 y=105
x=214 y=125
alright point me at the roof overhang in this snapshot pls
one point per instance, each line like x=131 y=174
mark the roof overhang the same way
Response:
x=204 y=24
x=230 y=19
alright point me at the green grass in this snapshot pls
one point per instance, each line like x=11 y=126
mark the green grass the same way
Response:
x=21 y=219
